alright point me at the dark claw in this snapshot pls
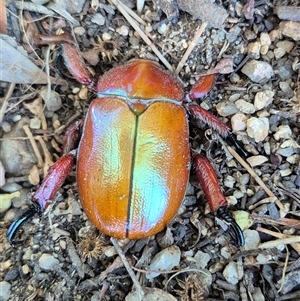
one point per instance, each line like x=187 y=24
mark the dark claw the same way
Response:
x=12 y=230
x=231 y=138
x=234 y=230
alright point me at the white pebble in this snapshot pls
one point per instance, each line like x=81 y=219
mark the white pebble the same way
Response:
x=106 y=36
x=257 y=160
x=258 y=128
x=5 y=290
x=162 y=28
x=245 y=106
x=48 y=262
x=263 y=99
x=230 y=273
x=229 y=181
x=258 y=71
x=202 y=259
x=167 y=259
x=239 y=122
x=98 y=19
x=252 y=239
x=123 y=30
x=284 y=132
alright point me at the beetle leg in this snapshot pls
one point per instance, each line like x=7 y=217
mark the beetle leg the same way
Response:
x=34 y=208
x=217 y=202
x=202 y=86
x=222 y=128
x=46 y=192
x=71 y=137
x=73 y=60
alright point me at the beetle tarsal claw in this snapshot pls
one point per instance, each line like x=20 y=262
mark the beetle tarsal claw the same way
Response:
x=234 y=229
x=33 y=209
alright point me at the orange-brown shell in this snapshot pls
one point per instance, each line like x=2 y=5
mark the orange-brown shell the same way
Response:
x=133 y=168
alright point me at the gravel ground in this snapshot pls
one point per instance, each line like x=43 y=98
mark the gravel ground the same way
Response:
x=60 y=255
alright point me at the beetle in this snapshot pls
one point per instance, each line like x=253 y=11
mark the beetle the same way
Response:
x=133 y=159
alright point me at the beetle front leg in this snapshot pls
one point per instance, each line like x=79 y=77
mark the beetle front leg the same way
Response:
x=217 y=202
x=46 y=192
x=73 y=60
x=222 y=128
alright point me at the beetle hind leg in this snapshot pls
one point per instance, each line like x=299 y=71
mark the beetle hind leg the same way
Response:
x=13 y=228
x=217 y=202
x=234 y=229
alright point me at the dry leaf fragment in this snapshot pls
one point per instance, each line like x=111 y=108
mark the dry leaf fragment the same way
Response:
x=17 y=68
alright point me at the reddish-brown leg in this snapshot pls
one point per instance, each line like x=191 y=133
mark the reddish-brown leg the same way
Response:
x=73 y=60
x=217 y=202
x=52 y=182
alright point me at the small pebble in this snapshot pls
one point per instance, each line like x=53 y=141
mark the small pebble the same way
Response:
x=252 y=239
x=5 y=290
x=285 y=152
x=106 y=36
x=290 y=29
x=6 y=200
x=267 y=148
x=254 y=50
x=83 y=93
x=258 y=128
x=238 y=194
x=285 y=172
x=35 y=123
x=25 y=269
x=225 y=252
x=216 y=267
x=162 y=29
x=123 y=30
x=229 y=181
x=293 y=159
x=239 y=122
x=6 y=126
x=16 y=118
x=79 y=30
x=230 y=273
x=284 y=132
x=258 y=71
x=263 y=99
x=167 y=259
x=226 y=109
x=257 y=160
x=202 y=259
x=47 y=262
x=286 y=89
x=98 y=19
x=263 y=258
x=257 y=295
x=244 y=106
x=52 y=100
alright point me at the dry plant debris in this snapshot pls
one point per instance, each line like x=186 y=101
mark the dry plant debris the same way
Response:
x=254 y=46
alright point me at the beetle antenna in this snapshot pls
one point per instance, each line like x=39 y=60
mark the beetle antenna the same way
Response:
x=234 y=229
x=33 y=209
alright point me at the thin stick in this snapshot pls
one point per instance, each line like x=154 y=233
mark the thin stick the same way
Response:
x=191 y=47
x=255 y=176
x=34 y=145
x=6 y=100
x=136 y=27
x=128 y=268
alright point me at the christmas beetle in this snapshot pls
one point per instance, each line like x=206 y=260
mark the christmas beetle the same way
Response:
x=133 y=158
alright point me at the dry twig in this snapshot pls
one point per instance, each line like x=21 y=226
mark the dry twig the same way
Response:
x=132 y=22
